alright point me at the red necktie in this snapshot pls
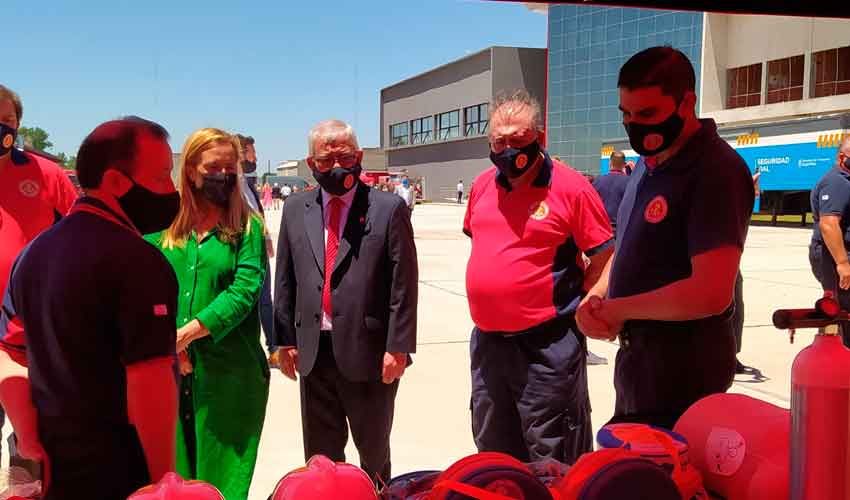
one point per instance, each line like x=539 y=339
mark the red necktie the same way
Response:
x=331 y=248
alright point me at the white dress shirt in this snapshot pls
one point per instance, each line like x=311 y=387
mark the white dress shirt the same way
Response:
x=248 y=194
x=347 y=199
x=406 y=194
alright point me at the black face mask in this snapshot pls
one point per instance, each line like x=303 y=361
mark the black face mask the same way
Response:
x=217 y=188
x=150 y=212
x=249 y=167
x=338 y=181
x=512 y=163
x=7 y=139
x=847 y=163
x=669 y=130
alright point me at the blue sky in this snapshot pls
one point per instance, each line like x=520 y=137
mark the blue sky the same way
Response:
x=267 y=68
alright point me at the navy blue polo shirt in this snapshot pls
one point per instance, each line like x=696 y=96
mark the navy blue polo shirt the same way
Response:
x=611 y=188
x=92 y=297
x=831 y=196
x=697 y=201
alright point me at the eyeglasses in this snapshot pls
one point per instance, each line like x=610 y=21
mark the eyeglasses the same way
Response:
x=516 y=141
x=499 y=145
x=328 y=162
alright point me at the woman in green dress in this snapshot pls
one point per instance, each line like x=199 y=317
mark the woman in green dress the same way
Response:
x=217 y=249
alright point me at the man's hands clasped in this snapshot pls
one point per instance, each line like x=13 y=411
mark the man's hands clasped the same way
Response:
x=599 y=318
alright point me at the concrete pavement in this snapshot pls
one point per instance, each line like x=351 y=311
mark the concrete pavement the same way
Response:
x=432 y=424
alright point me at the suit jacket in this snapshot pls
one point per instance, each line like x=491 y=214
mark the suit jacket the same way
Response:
x=374 y=282
x=251 y=182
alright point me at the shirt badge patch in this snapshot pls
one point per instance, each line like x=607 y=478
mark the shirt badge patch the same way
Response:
x=539 y=211
x=29 y=188
x=160 y=310
x=824 y=197
x=656 y=211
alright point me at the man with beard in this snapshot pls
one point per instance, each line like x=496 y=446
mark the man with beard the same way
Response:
x=668 y=290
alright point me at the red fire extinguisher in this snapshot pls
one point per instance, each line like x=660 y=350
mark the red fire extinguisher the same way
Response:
x=820 y=405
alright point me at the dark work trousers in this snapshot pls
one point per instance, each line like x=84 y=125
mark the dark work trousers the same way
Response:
x=459 y=197
x=328 y=398
x=529 y=393
x=738 y=318
x=823 y=267
x=92 y=461
x=663 y=368
x=267 y=312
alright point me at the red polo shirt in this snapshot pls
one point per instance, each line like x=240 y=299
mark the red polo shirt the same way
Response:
x=526 y=265
x=34 y=193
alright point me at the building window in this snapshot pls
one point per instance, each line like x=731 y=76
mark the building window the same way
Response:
x=448 y=125
x=832 y=72
x=744 y=86
x=785 y=80
x=476 y=118
x=399 y=135
x=423 y=130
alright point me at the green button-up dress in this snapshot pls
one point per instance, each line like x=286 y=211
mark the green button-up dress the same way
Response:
x=223 y=402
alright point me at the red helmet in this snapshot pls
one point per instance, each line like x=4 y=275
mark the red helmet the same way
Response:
x=489 y=476
x=173 y=487
x=322 y=479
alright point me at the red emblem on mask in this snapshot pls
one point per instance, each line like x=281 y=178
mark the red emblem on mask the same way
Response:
x=521 y=161
x=349 y=181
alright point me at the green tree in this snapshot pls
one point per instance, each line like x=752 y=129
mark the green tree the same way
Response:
x=67 y=162
x=71 y=163
x=35 y=137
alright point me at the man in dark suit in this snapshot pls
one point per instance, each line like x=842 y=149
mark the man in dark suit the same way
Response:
x=249 y=191
x=348 y=331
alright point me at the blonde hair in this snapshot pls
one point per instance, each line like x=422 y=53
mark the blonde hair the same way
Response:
x=331 y=131
x=235 y=220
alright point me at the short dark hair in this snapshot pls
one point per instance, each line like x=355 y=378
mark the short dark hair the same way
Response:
x=619 y=156
x=113 y=145
x=245 y=140
x=663 y=67
x=8 y=94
